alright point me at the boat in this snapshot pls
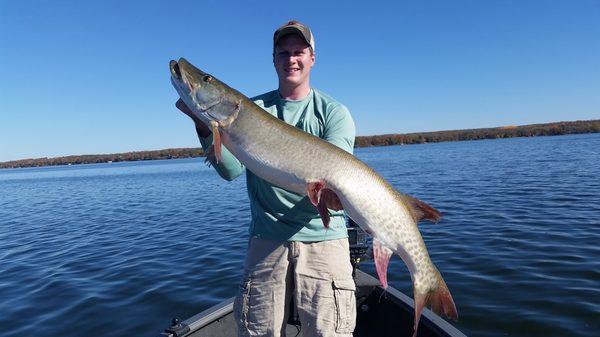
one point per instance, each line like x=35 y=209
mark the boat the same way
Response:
x=380 y=312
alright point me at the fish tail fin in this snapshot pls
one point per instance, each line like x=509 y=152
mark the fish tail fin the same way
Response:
x=439 y=299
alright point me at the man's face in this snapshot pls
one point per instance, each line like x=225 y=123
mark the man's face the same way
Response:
x=293 y=60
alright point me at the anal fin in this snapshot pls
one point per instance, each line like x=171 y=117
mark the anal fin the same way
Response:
x=381 y=255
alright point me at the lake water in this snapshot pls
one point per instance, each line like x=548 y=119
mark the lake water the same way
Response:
x=118 y=249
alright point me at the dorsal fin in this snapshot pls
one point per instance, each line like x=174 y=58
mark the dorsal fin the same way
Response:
x=420 y=210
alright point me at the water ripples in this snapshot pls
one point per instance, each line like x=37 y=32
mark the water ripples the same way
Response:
x=120 y=248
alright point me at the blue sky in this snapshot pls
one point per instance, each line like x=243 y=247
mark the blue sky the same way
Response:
x=92 y=77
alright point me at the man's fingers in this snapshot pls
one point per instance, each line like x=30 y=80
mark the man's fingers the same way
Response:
x=181 y=106
x=201 y=128
x=184 y=108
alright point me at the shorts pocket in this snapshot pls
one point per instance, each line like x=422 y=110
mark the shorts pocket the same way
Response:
x=345 y=305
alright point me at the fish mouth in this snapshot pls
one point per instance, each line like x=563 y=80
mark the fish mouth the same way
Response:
x=175 y=70
x=179 y=74
x=180 y=71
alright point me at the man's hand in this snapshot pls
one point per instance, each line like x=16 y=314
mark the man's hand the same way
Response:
x=201 y=128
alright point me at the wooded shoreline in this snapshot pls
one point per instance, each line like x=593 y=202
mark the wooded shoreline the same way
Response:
x=532 y=130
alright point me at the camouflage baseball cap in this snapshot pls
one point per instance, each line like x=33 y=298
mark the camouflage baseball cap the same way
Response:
x=294 y=27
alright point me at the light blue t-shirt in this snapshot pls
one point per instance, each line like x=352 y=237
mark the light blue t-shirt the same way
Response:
x=279 y=214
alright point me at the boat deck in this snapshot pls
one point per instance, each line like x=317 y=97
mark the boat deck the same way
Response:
x=379 y=314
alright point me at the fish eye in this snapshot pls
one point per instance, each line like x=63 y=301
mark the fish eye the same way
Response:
x=207 y=78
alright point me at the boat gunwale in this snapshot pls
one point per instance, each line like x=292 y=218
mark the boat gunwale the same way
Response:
x=209 y=315
x=362 y=279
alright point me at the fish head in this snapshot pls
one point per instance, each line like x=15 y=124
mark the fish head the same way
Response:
x=207 y=97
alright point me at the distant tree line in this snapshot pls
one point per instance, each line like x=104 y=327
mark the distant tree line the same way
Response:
x=106 y=158
x=549 y=129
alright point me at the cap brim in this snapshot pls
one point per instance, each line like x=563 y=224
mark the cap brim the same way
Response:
x=289 y=30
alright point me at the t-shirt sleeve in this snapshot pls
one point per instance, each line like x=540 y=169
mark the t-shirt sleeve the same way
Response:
x=339 y=128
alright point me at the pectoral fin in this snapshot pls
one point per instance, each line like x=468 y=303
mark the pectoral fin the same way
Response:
x=381 y=255
x=216 y=140
x=324 y=199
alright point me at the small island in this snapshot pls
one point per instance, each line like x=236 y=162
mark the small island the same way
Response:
x=532 y=130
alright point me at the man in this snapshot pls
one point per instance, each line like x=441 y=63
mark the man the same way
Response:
x=290 y=252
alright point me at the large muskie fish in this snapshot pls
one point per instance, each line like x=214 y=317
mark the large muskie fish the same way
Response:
x=332 y=178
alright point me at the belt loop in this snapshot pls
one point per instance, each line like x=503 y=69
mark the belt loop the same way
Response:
x=294 y=249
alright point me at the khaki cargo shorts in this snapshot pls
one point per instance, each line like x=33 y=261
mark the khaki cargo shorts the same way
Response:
x=318 y=275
